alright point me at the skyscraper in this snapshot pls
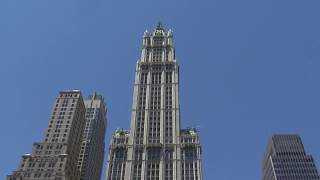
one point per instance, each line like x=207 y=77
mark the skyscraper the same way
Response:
x=286 y=159
x=56 y=158
x=92 y=148
x=155 y=147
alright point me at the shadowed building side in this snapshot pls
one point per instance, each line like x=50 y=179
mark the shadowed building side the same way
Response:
x=92 y=147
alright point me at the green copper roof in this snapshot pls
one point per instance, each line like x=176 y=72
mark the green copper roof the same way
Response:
x=120 y=132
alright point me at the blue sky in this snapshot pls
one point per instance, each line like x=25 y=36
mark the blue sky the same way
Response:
x=249 y=69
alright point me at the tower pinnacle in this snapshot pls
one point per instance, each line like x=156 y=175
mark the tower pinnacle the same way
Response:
x=159 y=26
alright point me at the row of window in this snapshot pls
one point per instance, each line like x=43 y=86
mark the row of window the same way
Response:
x=117 y=170
x=190 y=171
x=69 y=95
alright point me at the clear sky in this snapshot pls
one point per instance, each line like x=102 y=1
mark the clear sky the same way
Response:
x=249 y=69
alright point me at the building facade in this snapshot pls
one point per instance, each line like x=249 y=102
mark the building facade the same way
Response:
x=56 y=158
x=286 y=159
x=92 y=147
x=155 y=147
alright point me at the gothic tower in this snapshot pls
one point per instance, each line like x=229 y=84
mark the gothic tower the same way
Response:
x=155 y=148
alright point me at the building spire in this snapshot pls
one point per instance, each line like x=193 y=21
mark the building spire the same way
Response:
x=159 y=26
